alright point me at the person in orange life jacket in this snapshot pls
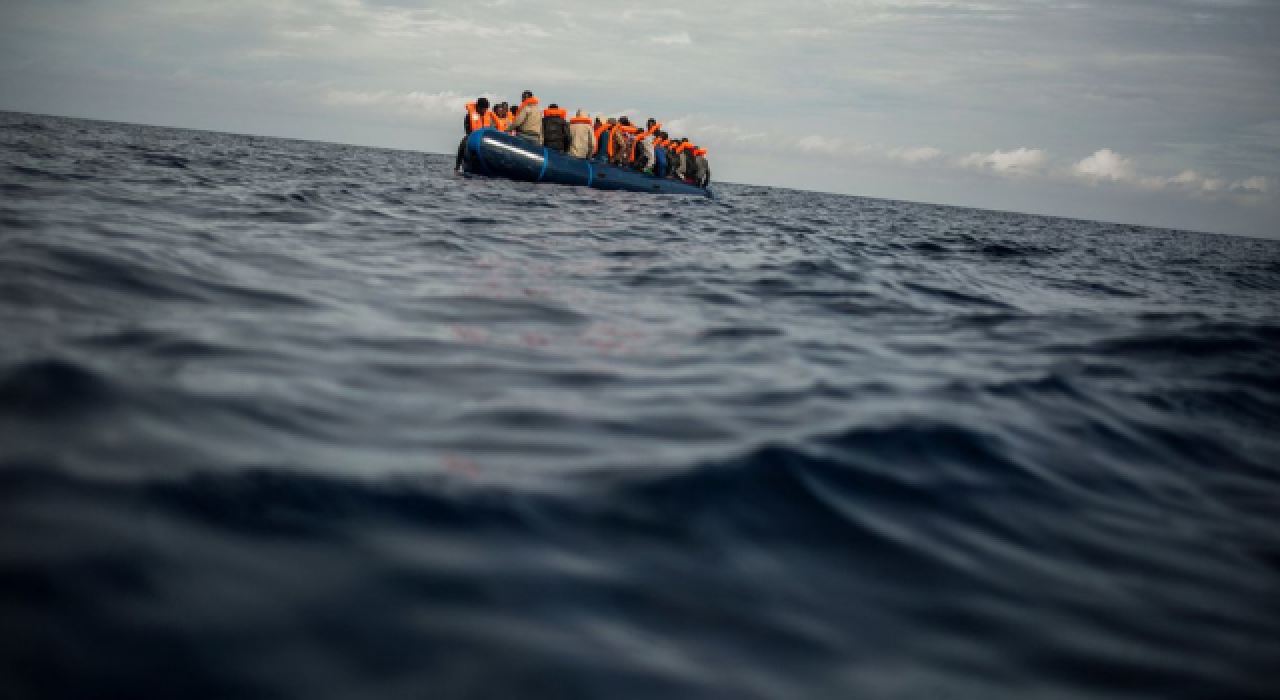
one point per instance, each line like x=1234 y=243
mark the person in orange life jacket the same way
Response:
x=502 y=115
x=701 y=168
x=679 y=165
x=478 y=117
x=580 y=133
x=688 y=161
x=555 y=128
x=604 y=139
x=642 y=152
x=660 y=154
x=623 y=136
x=527 y=123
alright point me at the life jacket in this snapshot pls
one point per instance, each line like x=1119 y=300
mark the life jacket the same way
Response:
x=499 y=123
x=699 y=152
x=478 y=121
x=629 y=134
x=642 y=137
x=557 y=112
x=526 y=103
x=580 y=120
x=601 y=131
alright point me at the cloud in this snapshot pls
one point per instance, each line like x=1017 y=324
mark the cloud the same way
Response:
x=1016 y=163
x=1255 y=185
x=1104 y=164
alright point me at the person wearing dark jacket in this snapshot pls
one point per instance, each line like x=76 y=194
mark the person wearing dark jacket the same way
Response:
x=660 y=154
x=555 y=128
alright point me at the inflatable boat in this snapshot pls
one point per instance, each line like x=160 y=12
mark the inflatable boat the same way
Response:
x=498 y=154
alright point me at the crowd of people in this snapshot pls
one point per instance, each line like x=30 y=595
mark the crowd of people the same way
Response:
x=607 y=139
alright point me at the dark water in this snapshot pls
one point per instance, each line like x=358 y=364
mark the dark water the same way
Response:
x=283 y=419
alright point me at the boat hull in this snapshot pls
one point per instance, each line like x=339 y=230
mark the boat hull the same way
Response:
x=497 y=154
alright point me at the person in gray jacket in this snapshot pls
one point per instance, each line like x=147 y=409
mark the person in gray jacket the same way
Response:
x=528 y=121
x=701 y=169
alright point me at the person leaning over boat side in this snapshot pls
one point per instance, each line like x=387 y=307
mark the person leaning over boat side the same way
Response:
x=528 y=120
x=701 y=168
x=478 y=117
x=555 y=130
x=580 y=133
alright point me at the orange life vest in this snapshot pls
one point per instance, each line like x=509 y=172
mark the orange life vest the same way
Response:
x=580 y=120
x=526 y=103
x=699 y=152
x=557 y=112
x=642 y=137
x=479 y=121
x=595 y=143
x=499 y=123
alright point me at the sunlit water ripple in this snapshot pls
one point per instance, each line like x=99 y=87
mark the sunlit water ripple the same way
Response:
x=292 y=419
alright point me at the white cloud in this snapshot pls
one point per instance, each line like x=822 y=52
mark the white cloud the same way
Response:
x=1107 y=165
x=1255 y=185
x=1104 y=164
x=1019 y=162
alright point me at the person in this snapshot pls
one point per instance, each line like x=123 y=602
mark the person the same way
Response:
x=660 y=154
x=604 y=139
x=478 y=117
x=555 y=130
x=623 y=134
x=528 y=120
x=642 y=155
x=701 y=168
x=687 y=161
x=502 y=116
x=580 y=133
x=682 y=160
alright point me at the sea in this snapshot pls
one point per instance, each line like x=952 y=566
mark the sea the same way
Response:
x=288 y=419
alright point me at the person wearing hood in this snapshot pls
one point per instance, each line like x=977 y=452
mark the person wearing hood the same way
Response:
x=580 y=136
x=527 y=123
x=555 y=130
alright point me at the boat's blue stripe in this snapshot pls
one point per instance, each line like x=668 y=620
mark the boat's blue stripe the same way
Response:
x=546 y=158
x=591 y=173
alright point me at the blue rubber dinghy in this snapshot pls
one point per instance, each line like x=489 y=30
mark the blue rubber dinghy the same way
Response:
x=497 y=154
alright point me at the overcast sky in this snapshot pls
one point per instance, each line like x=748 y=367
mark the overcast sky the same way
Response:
x=1159 y=112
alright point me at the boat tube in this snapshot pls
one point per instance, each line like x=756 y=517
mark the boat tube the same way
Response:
x=497 y=154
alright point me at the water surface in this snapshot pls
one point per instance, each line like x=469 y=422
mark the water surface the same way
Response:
x=282 y=419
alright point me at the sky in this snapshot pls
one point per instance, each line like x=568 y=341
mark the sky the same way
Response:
x=1150 y=112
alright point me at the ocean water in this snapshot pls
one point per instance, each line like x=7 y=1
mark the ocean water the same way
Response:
x=283 y=419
